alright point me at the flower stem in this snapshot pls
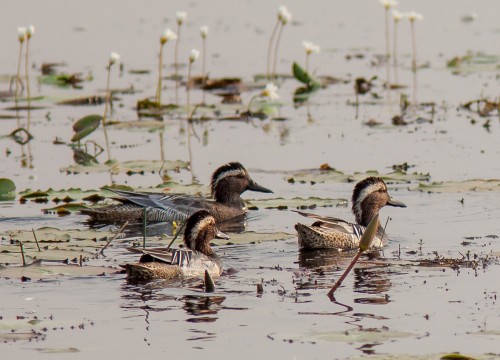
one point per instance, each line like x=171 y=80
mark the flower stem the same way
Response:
x=160 y=66
x=414 y=46
x=395 y=51
x=187 y=92
x=307 y=62
x=28 y=93
x=387 y=47
x=18 y=76
x=176 y=51
x=108 y=100
x=203 y=61
x=271 y=40
x=276 y=48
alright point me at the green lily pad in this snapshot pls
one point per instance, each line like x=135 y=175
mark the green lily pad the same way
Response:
x=7 y=189
x=85 y=126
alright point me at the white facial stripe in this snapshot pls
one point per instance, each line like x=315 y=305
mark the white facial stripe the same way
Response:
x=207 y=221
x=226 y=174
x=365 y=192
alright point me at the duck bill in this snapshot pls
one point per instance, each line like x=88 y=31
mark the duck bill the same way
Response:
x=253 y=186
x=395 y=203
x=221 y=235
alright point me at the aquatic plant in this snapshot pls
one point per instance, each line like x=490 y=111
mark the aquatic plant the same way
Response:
x=414 y=16
x=397 y=16
x=310 y=48
x=181 y=17
x=364 y=244
x=165 y=37
x=270 y=92
x=388 y=4
x=204 y=35
x=193 y=56
x=30 y=30
x=113 y=59
x=21 y=36
x=284 y=17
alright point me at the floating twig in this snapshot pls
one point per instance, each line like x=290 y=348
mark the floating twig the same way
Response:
x=36 y=240
x=114 y=237
x=364 y=244
x=21 y=245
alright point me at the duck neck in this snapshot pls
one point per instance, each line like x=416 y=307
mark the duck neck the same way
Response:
x=229 y=198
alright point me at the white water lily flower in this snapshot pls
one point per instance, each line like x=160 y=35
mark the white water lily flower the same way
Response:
x=21 y=33
x=389 y=3
x=181 y=16
x=270 y=91
x=114 y=58
x=412 y=16
x=195 y=54
x=168 y=35
x=284 y=15
x=397 y=15
x=30 y=30
x=311 y=47
x=204 y=31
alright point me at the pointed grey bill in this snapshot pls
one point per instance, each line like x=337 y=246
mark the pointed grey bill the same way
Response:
x=221 y=235
x=396 y=203
x=253 y=186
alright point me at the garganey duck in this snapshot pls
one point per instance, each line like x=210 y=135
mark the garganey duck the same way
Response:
x=228 y=183
x=182 y=263
x=368 y=197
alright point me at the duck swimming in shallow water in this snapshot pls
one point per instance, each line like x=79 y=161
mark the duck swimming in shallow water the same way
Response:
x=368 y=197
x=228 y=183
x=182 y=263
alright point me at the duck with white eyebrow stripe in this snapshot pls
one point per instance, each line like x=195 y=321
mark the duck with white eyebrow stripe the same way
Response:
x=368 y=197
x=228 y=182
x=198 y=257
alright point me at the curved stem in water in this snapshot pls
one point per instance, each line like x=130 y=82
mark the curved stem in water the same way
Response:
x=269 y=47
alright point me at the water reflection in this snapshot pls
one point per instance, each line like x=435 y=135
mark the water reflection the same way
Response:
x=324 y=258
x=203 y=308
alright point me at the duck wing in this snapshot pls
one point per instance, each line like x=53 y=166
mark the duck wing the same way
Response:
x=325 y=219
x=177 y=206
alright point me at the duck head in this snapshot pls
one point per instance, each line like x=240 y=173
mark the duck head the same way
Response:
x=200 y=231
x=368 y=197
x=231 y=180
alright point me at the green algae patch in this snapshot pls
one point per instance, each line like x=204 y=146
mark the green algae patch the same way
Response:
x=127 y=167
x=330 y=175
x=475 y=185
x=371 y=335
x=297 y=203
x=50 y=245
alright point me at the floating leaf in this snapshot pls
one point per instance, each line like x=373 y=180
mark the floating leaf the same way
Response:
x=300 y=74
x=7 y=189
x=128 y=167
x=85 y=126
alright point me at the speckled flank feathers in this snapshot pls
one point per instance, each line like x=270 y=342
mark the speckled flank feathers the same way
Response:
x=369 y=196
